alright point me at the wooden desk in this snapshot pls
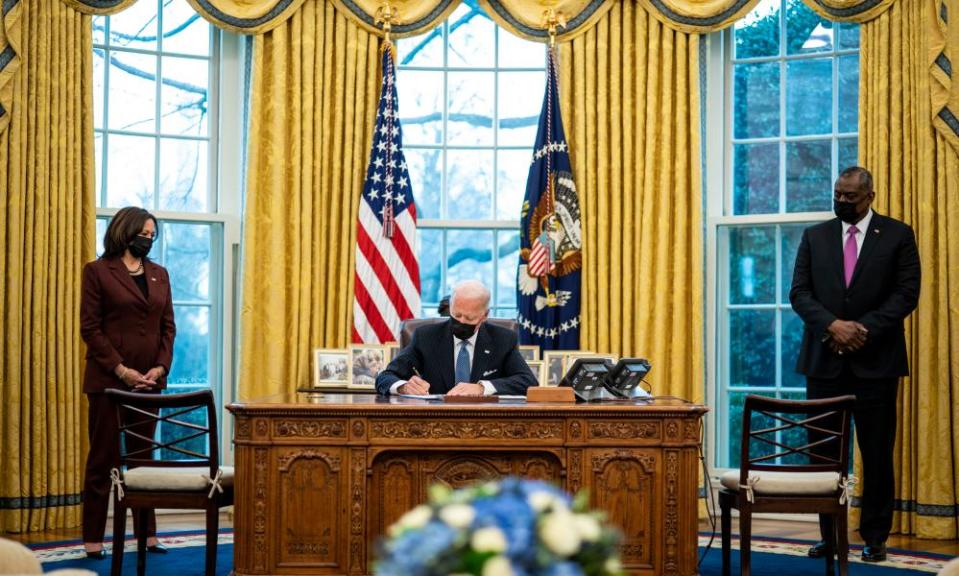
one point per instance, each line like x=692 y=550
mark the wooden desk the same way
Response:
x=319 y=480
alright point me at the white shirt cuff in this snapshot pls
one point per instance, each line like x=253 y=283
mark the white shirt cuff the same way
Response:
x=396 y=386
x=488 y=388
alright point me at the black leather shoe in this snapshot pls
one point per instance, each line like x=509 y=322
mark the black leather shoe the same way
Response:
x=874 y=552
x=98 y=555
x=157 y=549
x=817 y=550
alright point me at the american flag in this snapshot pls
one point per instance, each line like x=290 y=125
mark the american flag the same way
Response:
x=387 y=283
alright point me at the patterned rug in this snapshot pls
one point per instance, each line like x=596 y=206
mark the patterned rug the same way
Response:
x=770 y=556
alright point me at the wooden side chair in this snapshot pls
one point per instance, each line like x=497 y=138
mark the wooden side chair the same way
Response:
x=142 y=482
x=814 y=436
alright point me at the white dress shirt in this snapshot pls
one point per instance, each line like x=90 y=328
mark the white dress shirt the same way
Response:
x=470 y=343
x=862 y=226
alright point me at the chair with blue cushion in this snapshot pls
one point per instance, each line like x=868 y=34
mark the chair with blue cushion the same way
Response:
x=142 y=482
x=794 y=459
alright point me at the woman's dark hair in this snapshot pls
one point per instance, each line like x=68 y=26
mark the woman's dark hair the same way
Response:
x=125 y=225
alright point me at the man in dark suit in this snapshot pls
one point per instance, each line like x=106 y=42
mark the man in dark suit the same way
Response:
x=463 y=356
x=856 y=279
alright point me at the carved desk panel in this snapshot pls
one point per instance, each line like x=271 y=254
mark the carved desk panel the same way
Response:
x=318 y=480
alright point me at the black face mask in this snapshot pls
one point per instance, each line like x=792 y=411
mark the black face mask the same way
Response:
x=462 y=330
x=140 y=246
x=846 y=211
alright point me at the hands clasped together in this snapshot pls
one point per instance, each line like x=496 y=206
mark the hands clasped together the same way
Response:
x=847 y=336
x=136 y=381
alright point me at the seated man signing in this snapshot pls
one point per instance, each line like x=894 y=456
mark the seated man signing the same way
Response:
x=463 y=356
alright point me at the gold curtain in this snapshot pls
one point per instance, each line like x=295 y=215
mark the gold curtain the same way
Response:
x=314 y=95
x=917 y=181
x=629 y=91
x=47 y=217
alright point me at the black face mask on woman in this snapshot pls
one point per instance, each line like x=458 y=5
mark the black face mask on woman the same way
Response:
x=462 y=330
x=140 y=246
x=846 y=211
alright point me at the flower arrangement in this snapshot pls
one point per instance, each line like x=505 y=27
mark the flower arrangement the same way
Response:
x=513 y=527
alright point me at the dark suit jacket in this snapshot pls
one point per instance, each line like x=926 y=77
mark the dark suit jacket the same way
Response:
x=883 y=291
x=119 y=325
x=495 y=358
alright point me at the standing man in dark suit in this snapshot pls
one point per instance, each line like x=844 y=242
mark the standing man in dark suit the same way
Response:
x=856 y=280
x=463 y=356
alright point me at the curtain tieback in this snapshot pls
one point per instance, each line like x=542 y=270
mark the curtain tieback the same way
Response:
x=846 y=485
x=215 y=485
x=116 y=482
x=748 y=488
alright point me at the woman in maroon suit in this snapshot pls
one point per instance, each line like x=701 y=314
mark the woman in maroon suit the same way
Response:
x=126 y=320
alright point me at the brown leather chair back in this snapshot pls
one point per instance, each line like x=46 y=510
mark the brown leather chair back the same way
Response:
x=408 y=326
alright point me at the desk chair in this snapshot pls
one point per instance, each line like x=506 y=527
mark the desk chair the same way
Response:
x=795 y=459
x=141 y=483
x=408 y=326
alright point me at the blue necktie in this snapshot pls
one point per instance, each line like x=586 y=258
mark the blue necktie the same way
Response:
x=463 y=363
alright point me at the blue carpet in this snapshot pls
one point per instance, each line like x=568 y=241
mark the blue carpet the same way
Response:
x=187 y=559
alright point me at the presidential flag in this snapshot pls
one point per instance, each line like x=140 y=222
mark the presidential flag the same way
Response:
x=548 y=279
x=387 y=282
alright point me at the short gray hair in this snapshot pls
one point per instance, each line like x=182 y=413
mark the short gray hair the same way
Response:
x=471 y=288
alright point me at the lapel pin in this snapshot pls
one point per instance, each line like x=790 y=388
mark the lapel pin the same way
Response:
x=153 y=279
x=486 y=351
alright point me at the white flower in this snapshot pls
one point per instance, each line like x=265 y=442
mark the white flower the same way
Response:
x=457 y=515
x=588 y=527
x=497 y=566
x=613 y=566
x=559 y=533
x=540 y=501
x=489 y=539
x=415 y=518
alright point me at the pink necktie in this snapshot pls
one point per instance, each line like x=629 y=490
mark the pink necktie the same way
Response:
x=850 y=254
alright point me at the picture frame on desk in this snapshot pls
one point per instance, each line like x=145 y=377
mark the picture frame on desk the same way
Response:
x=366 y=362
x=331 y=367
x=394 y=349
x=529 y=352
x=553 y=367
x=538 y=369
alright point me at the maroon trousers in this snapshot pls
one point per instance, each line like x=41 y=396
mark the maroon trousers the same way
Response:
x=104 y=455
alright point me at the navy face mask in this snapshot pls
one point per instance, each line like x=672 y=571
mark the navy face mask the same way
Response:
x=846 y=211
x=462 y=330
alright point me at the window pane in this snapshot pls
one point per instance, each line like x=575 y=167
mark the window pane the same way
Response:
x=792 y=330
x=757 y=34
x=98 y=151
x=184 y=31
x=183 y=175
x=423 y=50
x=518 y=117
x=808 y=176
x=752 y=347
x=470 y=185
x=512 y=169
x=756 y=99
x=191 y=348
x=98 y=87
x=848 y=35
x=752 y=265
x=791 y=236
x=806 y=31
x=101 y=232
x=130 y=171
x=848 y=153
x=99 y=30
x=507 y=261
x=756 y=178
x=471 y=38
x=426 y=169
x=187 y=248
x=849 y=93
x=809 y=97
x=430 y=254
x=132 y=104
x=421 y=106
x=184 y=96
x=515 y=52
x=135 y=26
x=470 y=104
x=469 y=256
